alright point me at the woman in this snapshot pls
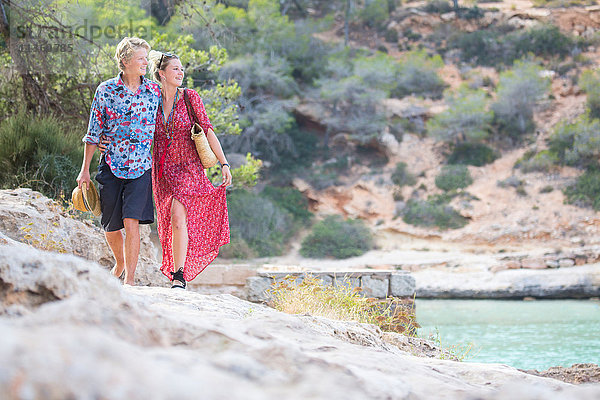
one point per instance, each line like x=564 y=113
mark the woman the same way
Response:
x=192 y=213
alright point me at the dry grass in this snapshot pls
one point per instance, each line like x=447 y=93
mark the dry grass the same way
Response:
x=342 y=302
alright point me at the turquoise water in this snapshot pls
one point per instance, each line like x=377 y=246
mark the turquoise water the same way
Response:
x=524 y=334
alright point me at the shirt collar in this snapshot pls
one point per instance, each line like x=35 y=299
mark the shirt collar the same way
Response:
x=145 y=83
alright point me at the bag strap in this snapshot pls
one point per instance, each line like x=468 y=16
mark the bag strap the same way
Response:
x=190 y=108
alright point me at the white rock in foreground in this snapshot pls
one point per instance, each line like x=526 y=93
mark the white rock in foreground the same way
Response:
x=69 y=330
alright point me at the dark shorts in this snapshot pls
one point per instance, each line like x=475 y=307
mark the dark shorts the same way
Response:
x=124 y=198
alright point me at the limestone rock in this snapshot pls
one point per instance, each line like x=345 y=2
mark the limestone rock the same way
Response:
x=571 y=282
x=98 y=339
x=28 y=216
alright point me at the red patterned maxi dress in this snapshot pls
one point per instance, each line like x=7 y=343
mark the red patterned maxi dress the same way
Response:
x=179 y=174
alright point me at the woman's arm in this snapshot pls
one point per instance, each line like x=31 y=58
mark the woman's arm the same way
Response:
x=213 y=141
x=215 y=145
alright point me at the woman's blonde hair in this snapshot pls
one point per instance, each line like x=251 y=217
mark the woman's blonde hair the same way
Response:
x=127 y=47
x=158 y=62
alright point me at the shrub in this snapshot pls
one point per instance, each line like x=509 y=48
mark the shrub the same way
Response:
x=518 y=92
x=590 y=83
x=391 y=36
x=338 y=238
x=409 y=34
x=477 y=154
x=453 y=177
x=237 y=248
x=264 y=225
x=435 y=211
x=417 y=74
x=402 y=177
x=543 y=40
x=38 y=153
x=577 y=143
x=472 y=13
x=466 y=119
x=495 y=46
x=547 y=189
x=290 y=199
x=351 y=91
x=544 y=161
x=341 y=302
x=375 y=13
x=511 y=181
x=438 y=6
x=586 y=190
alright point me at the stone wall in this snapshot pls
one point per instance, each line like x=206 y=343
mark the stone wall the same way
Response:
x=377 y=284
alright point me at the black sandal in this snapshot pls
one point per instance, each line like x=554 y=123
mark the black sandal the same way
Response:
x=178 y=280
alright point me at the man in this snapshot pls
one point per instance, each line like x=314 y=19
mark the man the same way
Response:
x=124 y=110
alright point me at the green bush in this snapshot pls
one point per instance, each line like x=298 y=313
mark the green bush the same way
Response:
x=38 y=152
x=338 y=238
x=586 y=190
x=264 y=225
x=477 y=154
x=496 y=46
x=375 y=13
x=577 y=143
x=438 y=6
x=402 y=177
x=589 y=81
x=544 y=41
x=434 y=211
x=391 y=36
x=466 y=119
x=453 y=177
x=237 y=248
x=544 y=161
x=417 y=74
x=519 y=91
x=290 y=199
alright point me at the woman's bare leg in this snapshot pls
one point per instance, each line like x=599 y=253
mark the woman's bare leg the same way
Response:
x=180 y=233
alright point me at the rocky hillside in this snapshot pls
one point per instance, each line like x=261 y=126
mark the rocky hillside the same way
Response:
x=70 y=330
x=499 y=216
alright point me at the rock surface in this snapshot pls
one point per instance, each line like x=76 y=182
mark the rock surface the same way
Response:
x=576 y=373
x=28 y=216
x=571 y=282
x=70 y=330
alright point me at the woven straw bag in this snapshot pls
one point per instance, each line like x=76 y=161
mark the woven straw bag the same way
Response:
x=207 y=156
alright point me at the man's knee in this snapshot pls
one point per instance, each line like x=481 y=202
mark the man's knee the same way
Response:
x=131 y=225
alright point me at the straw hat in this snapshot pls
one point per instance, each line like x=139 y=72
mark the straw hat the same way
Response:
x=87 y=199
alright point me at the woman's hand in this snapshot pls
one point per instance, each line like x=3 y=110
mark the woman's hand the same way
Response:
x=103 y=144
x=227 y=178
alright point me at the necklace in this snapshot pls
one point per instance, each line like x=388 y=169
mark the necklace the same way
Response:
x=170 y=124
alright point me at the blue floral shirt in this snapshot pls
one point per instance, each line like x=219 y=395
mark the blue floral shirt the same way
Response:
x=128 y=120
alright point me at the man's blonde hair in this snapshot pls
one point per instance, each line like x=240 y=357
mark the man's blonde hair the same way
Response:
x=127 y=47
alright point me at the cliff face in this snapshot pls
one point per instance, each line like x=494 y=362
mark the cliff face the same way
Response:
x=70 y=330
x=498 y=216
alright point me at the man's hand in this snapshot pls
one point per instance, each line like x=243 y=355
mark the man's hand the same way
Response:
x=84 y=177
x=227 y=178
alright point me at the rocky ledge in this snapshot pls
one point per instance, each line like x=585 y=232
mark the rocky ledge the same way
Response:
x=70 y=330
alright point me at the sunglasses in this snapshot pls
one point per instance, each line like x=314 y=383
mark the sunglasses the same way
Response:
x=168 y=55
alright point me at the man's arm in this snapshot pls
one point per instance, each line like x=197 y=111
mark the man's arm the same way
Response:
x=84 y=174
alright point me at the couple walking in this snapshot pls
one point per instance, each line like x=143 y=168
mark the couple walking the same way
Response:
x=128 y=114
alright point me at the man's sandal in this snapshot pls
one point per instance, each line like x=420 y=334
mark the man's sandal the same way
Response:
x=178 y=280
